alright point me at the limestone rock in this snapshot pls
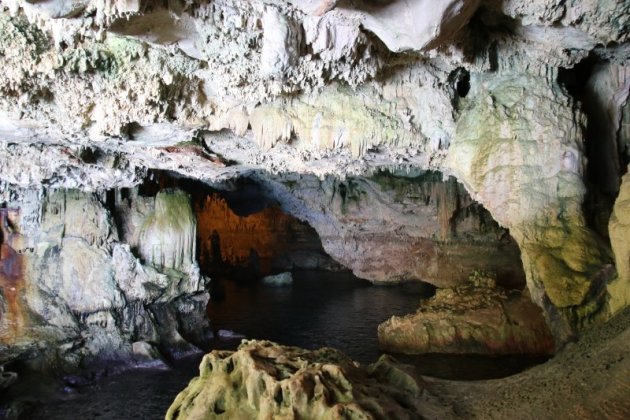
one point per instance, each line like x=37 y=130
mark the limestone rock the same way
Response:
x=619 y=229
x=281 y=43
x=167 y=238
x=476 y=318
x=501 y=145
x=75 y=294
x=402 y=226
x=420 y=24
x=282 y=279
x=315 y=7
x=129 y=81
x=265 y=380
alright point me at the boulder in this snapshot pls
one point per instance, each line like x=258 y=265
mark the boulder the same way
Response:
x=282 y=279
x=476 y=318
x=266 y=380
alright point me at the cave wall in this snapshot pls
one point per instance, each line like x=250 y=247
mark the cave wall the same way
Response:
x=262 y=241
x=75 y=292
x=405 y=226
x=218 y=90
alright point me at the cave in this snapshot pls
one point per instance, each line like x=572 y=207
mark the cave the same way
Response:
x=314 y=209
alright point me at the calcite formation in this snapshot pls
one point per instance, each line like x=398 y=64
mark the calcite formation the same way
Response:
x=313 y=100
x=441 y=234
x=76 y=292
x=168 y=235
x=474 y=318
x=586 y=379
x=265 y=380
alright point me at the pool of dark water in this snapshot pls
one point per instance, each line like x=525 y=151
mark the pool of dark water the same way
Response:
x=318 y=309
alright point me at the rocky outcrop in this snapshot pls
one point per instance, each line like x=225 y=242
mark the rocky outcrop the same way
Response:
x=588 y=378
x=619 y=229
x=75 y=293
x=93 y=94
x=517 y=169
x=265 y=380
x=402 y=226
x=474 y=318
x=260 y=241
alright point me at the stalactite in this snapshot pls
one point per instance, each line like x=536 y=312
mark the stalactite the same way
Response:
x=168 y=236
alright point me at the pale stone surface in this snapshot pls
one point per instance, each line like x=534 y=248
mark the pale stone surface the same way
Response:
x=281 y=44
x=420 y=24
x=132 y=82
x=474 y=318
x=530 y=179
x=619 y=229
x=282 y=279
x=265 y=380
x=76 y=293
x=402 y=226
x=167 y=237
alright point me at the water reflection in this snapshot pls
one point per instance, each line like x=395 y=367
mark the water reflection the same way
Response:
x=319 y=309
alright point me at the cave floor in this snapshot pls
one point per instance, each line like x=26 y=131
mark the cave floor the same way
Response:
x=588 y=379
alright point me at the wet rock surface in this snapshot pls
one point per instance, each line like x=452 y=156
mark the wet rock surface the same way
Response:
x=475 y=318
x=263 y=379
x=586 y=379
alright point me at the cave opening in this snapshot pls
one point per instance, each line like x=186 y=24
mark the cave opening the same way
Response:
x=243 y=232
x=243 y=235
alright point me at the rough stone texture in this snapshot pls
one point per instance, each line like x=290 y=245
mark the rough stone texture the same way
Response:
x=265 y=380
x=418 y=25
x=587 y=379
x=475 y=318
x=402 y=226
x=261 y=241
x=95 y=93
x=501 y=141
x=168 y=235
x=75 y=293
x=619 y=229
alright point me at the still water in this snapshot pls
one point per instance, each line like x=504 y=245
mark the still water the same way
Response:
x=318 y=309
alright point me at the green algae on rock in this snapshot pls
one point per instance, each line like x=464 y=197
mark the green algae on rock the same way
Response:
x=619 y=229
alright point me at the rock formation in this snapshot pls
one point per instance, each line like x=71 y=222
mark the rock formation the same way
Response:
x=343 y=112
x=167 y=236
x=476 y=318
x=619 y=230
x=260 y=241
x=76 y=293
x=587 y=379
x=265 y=380
x=402 y=226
